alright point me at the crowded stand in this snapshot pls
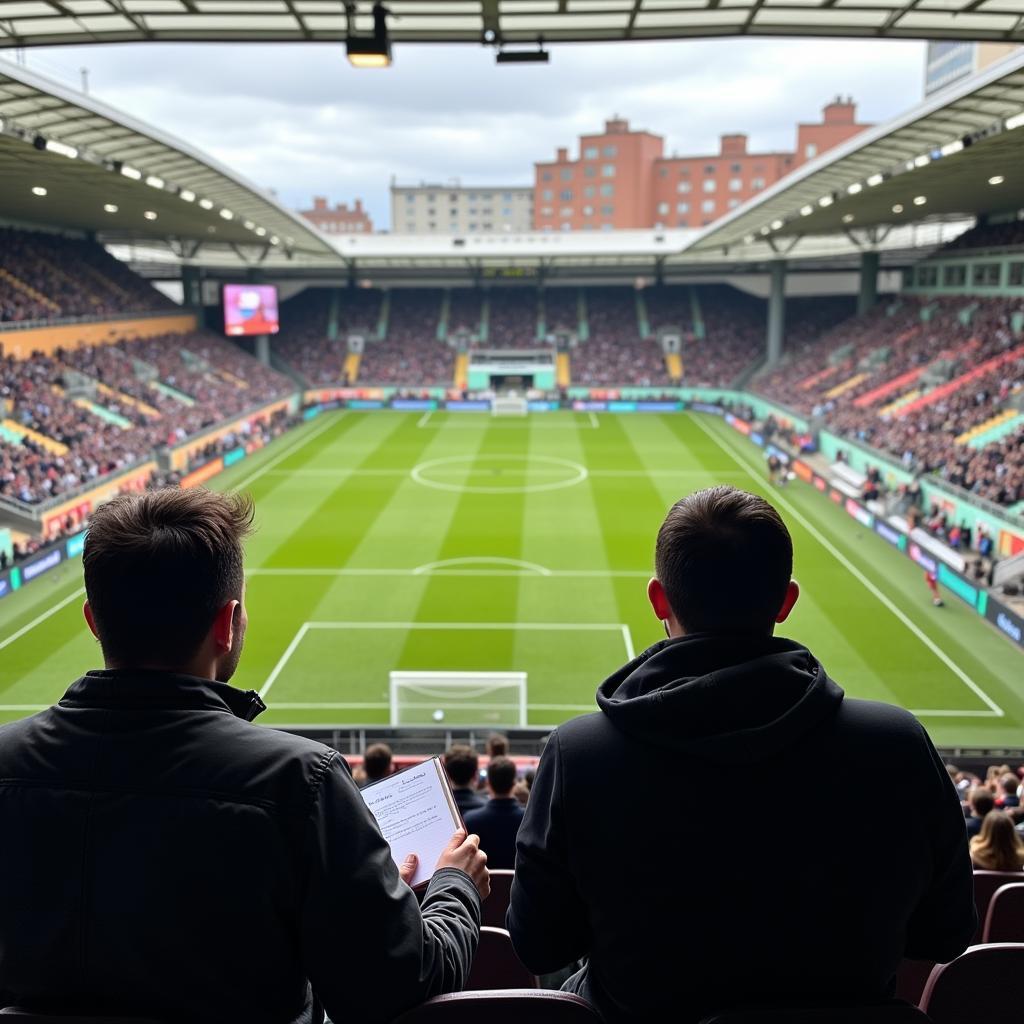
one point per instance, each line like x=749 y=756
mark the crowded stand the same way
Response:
x=130 y=397
x=561 y=310
x=464 y=311
x=990 y=236
x=411 y=352
x=513 y=318
x=923 y=390
x=49 y=277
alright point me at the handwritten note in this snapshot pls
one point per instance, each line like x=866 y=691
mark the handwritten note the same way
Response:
x=416 y=814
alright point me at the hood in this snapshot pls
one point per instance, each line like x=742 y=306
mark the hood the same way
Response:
x=724 y=698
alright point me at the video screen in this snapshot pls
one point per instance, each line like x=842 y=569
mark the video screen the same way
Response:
x=250 y=309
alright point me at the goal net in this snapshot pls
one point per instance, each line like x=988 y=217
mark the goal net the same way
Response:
x=509 y=405
x=458 y=698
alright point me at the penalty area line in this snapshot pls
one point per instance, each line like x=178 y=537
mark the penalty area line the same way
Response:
x=995 y=711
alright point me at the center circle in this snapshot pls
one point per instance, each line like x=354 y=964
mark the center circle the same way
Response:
x=469 y=467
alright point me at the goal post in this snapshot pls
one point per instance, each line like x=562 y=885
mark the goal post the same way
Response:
x=509 y=405
x=458 y=699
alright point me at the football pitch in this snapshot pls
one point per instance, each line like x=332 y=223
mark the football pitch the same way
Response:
x=462 y=543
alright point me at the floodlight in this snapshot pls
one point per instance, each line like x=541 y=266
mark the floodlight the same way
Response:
x=540 y=56
x=370 y=51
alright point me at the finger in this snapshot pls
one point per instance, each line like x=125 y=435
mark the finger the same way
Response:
x=407 y=868
x=473 y=841
x=457 y=840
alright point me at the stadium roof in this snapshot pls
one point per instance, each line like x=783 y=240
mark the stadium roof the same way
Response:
x=957 y=154
x=53 y=22
x=105 y=171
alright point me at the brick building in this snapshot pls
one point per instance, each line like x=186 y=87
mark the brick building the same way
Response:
x=623 y=179
x=339 y=220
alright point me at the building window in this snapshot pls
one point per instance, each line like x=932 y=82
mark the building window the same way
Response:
x=590 y=153
x=684 y=172
x=472 y=226
x=566 y=226
x=566 y=211
x=410 y=227
x=986 y=274
x=1016 y=275
x=682 y=207
x=507 y=197
x=546 y=176
x=431 y=213
x=507 y=211
x=736 y=169
x=708 y=206
x=588 y=192
x=735 y=184
x=565 y=174
x=709 y=169
x=956 y=276
x=810 y=150
x=486 y=197
x=607 y=227
x=547 y=194
x=710 y=184
x=607 y=211
x=683 y=187
x=607 y=190
x=757 y=184
x=432 y=226
x=588 y=211
x=733 y=203
x=590 y=171
x=608 y=171
x=546 y=211
x=662 y=209
x=610 y=152
x=410 y=199
x=431 y=199
x=662 y=172
x=683 y=223
x=565 y=195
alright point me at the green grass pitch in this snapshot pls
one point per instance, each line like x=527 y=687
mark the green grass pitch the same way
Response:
x=457 y=542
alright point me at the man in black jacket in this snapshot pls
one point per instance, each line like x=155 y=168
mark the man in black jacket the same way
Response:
x=498 y=821
x=677 y=915
x=162 y=856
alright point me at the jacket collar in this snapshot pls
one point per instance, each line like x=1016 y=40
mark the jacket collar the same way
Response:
x=141 y=689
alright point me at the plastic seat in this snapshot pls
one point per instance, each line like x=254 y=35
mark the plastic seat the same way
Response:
x=496 y=965
x=1005 y=919
x=494 y=908
x=886 y=1013
x=985 y=885
x=514 y=1006
x=15 y=1014
x=979 y=986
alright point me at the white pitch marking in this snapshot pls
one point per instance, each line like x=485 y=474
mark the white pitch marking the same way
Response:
x=627 y=638
x=29 y=626
x=588 y=574
x=425 y=419
x=593 y=420
x=291 y=449
x=995 y=711
x=289 y=651
x=532 y=567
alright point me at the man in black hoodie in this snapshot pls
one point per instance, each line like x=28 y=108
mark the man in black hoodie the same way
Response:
x=677 y=916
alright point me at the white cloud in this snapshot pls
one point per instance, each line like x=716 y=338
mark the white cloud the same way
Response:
x=298 y=119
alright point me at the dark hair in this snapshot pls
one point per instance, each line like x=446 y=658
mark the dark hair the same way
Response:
x=725 y=559
x=497 y=744
x=377 y=761
x=461 y=763
x=1009 y=783
x=159 y=566
x=501 y=775
x=981 y=801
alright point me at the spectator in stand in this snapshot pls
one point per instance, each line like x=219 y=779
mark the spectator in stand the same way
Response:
x=194 y=827
x=497 y=822
x=497 y=745
x=979 y=802
x=723 y=695
x=462 y=765
x=377 y=762
x=1009 y=786
x=997 y=847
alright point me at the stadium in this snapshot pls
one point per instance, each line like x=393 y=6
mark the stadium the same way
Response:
x=462 y=446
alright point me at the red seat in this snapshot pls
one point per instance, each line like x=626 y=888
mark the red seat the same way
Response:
x=496 y=965
x=516 y=1006
x=985 y=885
x=1005 y=919
x=887 y=1013
x=495 y=906
x=979 y=986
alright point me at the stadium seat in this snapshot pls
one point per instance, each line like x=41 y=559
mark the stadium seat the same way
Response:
x=15 y=1014
x=495 y=907
x=1005 y=919
x=979 y=985
x=911 y=978
x=496 y=965
x=510 y=1007
x=985 y=885
x=887 y=1013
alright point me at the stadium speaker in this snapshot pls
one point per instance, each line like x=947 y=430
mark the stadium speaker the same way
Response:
x=39 y=143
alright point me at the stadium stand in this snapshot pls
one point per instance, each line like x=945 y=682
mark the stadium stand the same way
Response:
x=496 y=965
x=513 y=318
x=989 y=236
x=411 y=354
x=49 y=277
x=79 y=415
x=932 y=382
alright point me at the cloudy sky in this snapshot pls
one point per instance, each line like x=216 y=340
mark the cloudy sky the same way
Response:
x=299 y=120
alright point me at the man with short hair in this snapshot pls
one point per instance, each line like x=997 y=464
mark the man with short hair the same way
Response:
x=377 y=762
x=162 y=857
x=497 y=822
x=658 y=901
x=1009 y=784
x=462 y=765
x=980 y=801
